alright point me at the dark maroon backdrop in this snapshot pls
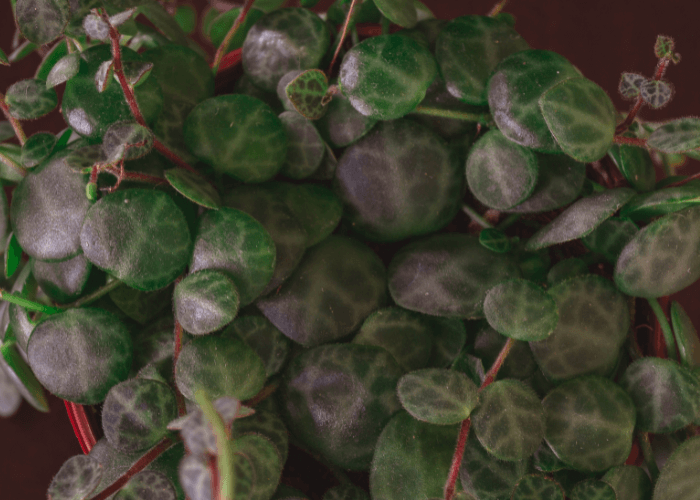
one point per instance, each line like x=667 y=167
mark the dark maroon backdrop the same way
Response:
x=601 y=37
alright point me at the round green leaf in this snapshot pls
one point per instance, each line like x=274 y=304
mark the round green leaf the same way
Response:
x=205 y=301
x=592 y=489
x=679 y=479
x=237 y=135
x=401 y=12
x=400 y=180
x=447 y=275
x=501 y=173
x=233 y=242
x=222 y=23
x=136 y=412
x=610 y=237
x=412 y=459
x=338 y=283
x=222 y=366
x=80 y=354
x=590 y=423
x=147 y=484
x=629 y=482
x=662 y=258
x=545 y=460
x=37 y=148
x=193 y=187
x=485 y=476
x=678 y=136
x=42 y=21
x=581 y=117
x=533 y=487
x=138 y=235
x=635 y=164
x=437 y=396
x=661 y=202
x=468 y=49
x=342 y=124
x=495 y=240
x=47 y=211
x=686 y=336
x=521 y=309
x=306 y=92
x=514 y=91
x=76 y=479
x=63 y=281
x=283 y=40
x=305 y=148
x=667 y=396
x=565 y=269
x=266 y=462
x=594 y=319
x=30 y=99
x=580 y=218
x=347 y=391
x=373 y=76
x=268 y=424
x=126 y=141
x=509 y=421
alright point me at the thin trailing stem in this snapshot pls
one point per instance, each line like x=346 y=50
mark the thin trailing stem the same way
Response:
x=226 y=486
x=661 y=67
x=165 y=151
x=27 y=304
x=264 y=393
x=16 y=126
x=229 y=36
x=483 y=118
x=13 y=165
x=81 y=426
x=88 y=299
x=474 y=215
x=342 y=37
x=121 y=175
x=684 y=181
x=665 y=328
x=140 y=464
x=648 y=453
x=450 y=485
x=631 y=141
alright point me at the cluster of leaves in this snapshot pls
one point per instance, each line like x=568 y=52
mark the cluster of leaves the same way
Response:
x=305 y=235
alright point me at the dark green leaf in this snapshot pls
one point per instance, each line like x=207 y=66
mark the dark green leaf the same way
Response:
x=3 y=58
x=265 y=339
x=533 y=487
x=401 y=12
x=13 y=254
x=661 y=202
x=37 y=148
x=677 y=136
x=565 y=269
x=141 y=306
x=6 y=131
x=96 y=351
x=222 y=23
x=42 y=21
x=306 y=93
x=592 y=489
x=126 y=141
x=205 y=301
x=148 y=484
x=686 y=336
x=29 y=99
x=305 y=148
x=656 y=93
x=76 y=479
x=679 y=479
x=193 y=187
x=165 y=23
x=343 y=124
x=438 y=396
x=136 y=72
x=630 y=85
x=346 y=491
x=63 y=281
x=629 y=482
x=485 y=476
x=138 y=235
x=610 y=237
x=65 y=69
x=186 y=17
x=21 y=375
x=495 y=240
x=266 y=462
x=635 y=164
x=22 y=51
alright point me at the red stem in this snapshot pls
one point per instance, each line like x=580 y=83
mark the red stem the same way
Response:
x=214 y=471
x=81 y=426
x=684 y=181
x=633 y=141
x=229 y=36
x=449 y=490
x=19 y=132
x=163 y=149
x=658 y=342
x=230 y=59
x=135 y=176
x=119 y=72
x=140 y=464
x=342 y=37
x=264 y=393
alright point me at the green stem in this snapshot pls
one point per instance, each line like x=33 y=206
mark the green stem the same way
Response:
x=13 y=165
x=476 y=217
x=648 y=453
x=508 y=221
x=100 y=292
x=224 y=458
x=29 y=305
x=665 y=328
x=483 y=118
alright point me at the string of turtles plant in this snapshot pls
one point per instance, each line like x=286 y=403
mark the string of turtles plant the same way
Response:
x=332 y=253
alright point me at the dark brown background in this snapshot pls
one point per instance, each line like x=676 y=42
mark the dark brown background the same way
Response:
x=602 y=38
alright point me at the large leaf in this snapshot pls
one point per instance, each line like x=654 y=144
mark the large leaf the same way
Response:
x=205 y=301
x=677 y=136
x=42 y=21
x=485 y=476
x=679 y=479
x=138 y=235
x=662 y=258
x=401 y=12
x=629 y=482
x=590 y=423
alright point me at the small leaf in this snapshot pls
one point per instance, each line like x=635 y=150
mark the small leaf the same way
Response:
x=630 y=85
x=122 y=17
x=686 y=336
x=306 y=93
x=76 y=479
x=522 y=310
x=186 y=17
x=3 y=58
x=37 y=148
x=532 y=487
x=495 y=240
x=103 y=77
x=29 y=99
x=10 y=398
x=42 y=21
x=401 y=12
x=677 y=136
x=65 y=69
x=22 y=376
x=629 y=482
x=136 y=72
x=13 y=255
x=126 y=141
x=664 y=46
x=164 y=22
x=22 y=51
x=193 y=187
x=95 y=27
x=592 y=489
x=437 y=396
x=6 y=131
x=656 y=93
